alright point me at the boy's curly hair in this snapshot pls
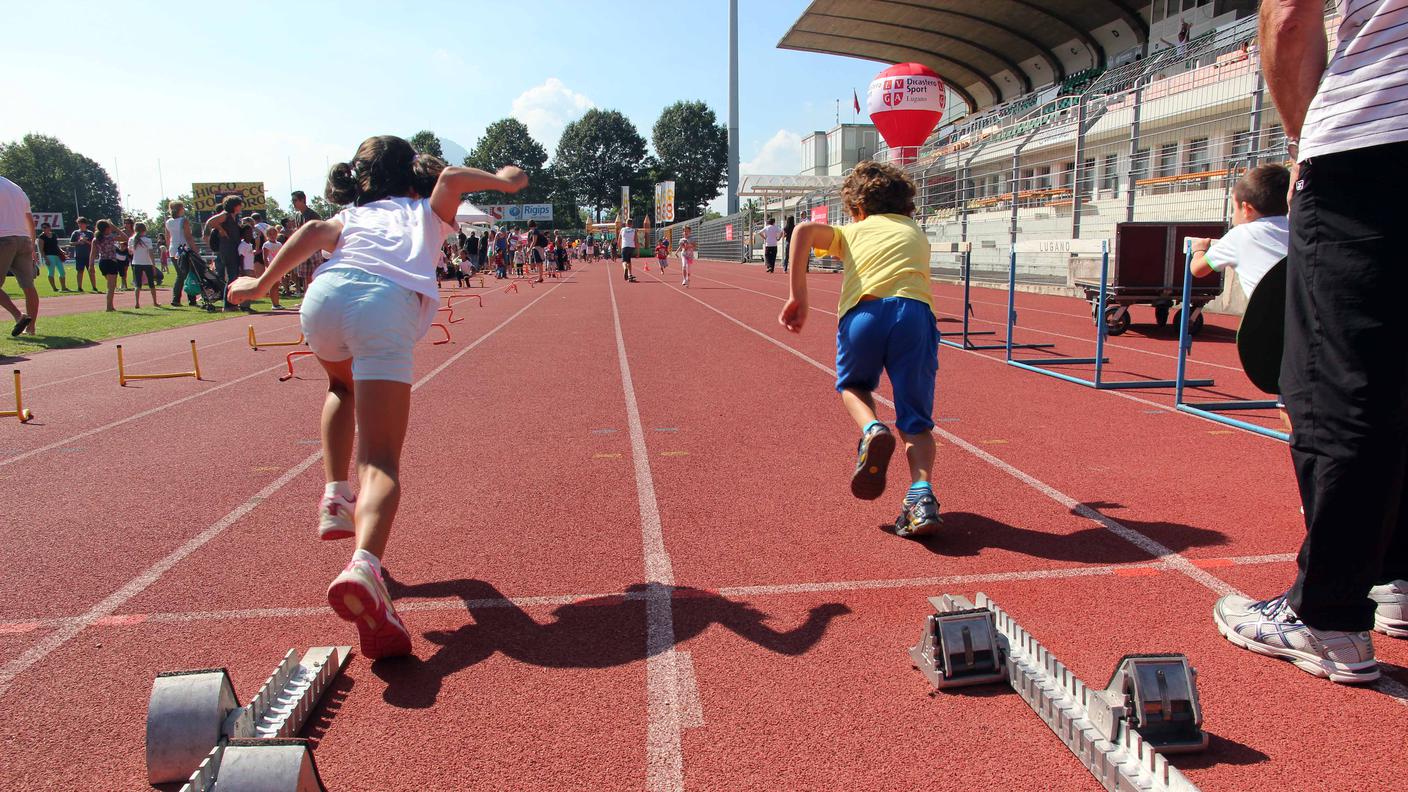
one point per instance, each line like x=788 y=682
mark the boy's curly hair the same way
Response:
x=878 y=188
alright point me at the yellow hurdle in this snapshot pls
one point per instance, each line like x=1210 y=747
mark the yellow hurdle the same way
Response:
x=254 y=343
x=123 y=377
x=19 y=412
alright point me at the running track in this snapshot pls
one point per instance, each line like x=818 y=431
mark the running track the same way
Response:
x=629 y=559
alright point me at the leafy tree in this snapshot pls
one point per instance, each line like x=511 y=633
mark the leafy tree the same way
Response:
x=693 y=149
x=324 y=207
x=54 y=176
x=507 y=142
x=425 y=142
x=597 y=154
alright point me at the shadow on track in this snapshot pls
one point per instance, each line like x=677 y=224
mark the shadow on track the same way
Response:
x=968 y=534
x=601 y=632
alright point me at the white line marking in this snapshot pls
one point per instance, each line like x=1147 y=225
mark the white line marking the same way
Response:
x=151 y=574
x=664 y=753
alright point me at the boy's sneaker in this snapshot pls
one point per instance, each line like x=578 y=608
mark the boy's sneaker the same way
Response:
x=1391 y=615
x=1271 y=628
x=335 y=517
x=872 y=462
x=920 y=518
x=359 y=596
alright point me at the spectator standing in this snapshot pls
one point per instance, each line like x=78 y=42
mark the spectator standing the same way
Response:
x=105 y=251
x=143 y=263
x=303 y=213
x=81 y=242
x=227 y=248
x=124 y=253
x=788 y=227
x=53 y=257
x=770 y=234
x=247 y=247
x=179 y=243
x=17 y=254
x=269 y=249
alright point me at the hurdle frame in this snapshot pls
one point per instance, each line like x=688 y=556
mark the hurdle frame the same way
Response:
x=1212 y=410
x=1039 y=365
x=254 y=341
x=123 y=377
x=965 y=249
x=24 y=415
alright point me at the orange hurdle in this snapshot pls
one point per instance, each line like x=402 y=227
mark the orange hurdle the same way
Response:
x=123 y=377
x=512 y=287
x=444 y=329
x=288 y=359
x=19 y=412
x=254 y=343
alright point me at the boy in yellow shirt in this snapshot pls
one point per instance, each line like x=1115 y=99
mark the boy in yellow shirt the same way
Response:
x=886 y=324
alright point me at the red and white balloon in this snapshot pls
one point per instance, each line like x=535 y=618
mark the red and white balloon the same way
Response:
x=906 y=102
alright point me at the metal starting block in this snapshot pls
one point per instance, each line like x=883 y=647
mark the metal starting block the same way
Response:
x=198 y=732
x=1149 y=708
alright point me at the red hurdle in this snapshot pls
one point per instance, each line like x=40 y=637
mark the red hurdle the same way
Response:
x=446 y=330
x=288 y=359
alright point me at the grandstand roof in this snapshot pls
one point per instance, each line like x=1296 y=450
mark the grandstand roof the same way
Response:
x=765 y=186
x=988 y=51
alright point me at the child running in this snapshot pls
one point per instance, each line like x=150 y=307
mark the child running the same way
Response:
x=366 y=308
x=270 y=249
x=687 y=251
x=662 y=254
x=886 y=324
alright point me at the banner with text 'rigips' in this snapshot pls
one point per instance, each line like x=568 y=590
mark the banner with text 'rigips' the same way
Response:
x=665 y=202
x=539 y=212
x=208 y=195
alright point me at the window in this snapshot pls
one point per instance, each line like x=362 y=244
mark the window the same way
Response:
x=1086 y=184
x=1168 y=160
x=1027 y=179
x=1276 y=139
x=1139 y=167
x=1241 y=145
x=1110 y=178
x=833 y=149
x=1043 y=178
x=1196 y=156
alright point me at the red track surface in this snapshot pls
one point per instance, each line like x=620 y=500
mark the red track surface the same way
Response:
x=159 y=527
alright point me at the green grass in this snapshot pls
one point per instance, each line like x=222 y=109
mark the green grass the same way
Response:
x=12 y=287
x=82 y=329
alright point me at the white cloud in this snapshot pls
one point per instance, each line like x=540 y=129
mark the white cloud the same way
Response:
x=548 y=108
x=781 y=154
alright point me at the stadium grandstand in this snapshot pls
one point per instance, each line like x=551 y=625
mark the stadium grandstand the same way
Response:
x=1080 y=114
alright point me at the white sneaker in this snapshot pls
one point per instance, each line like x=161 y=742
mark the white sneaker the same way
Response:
x=358 y=595
x=335 y=517
x=1271 y=628
x=1391 y=615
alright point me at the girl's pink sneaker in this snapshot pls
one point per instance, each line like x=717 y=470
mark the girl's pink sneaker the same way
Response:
x=359 y=596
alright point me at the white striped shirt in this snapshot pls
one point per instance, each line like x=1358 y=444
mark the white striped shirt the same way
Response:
x=1363 y=97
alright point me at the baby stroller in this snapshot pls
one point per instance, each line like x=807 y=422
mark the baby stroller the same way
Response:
x=201 y=281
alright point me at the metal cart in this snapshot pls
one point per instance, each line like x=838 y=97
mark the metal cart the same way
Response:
x=1148 y=270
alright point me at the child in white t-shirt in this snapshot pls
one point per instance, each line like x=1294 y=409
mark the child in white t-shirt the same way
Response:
x=143 y=252
x=1260 y=235
x=687 y=252
x=364 y=311
x=270 y=249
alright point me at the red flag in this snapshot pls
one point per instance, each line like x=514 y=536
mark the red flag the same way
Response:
x=855 y=100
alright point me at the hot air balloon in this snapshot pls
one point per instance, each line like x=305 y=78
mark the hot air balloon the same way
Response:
x=906 y=102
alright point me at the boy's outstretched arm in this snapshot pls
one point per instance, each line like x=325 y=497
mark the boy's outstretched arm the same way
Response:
x=806 y=237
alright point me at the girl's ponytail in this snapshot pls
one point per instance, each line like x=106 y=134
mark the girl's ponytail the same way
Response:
x=342 y=187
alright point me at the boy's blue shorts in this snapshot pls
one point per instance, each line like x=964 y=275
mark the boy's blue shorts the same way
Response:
x=899 y=336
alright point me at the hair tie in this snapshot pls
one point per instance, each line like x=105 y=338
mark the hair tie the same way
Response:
x=416 y=158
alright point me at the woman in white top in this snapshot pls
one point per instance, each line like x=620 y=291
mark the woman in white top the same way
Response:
x=366 y=308
x=269 y=250
x=140 y=246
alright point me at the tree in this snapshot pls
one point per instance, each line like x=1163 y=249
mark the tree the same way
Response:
x=693 y=149
x=54 y=177
x=325 y=208
x=507 y=142
x=425 y=142
x=597 y=154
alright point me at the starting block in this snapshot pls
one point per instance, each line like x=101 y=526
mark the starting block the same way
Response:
x=254 y=342
x=288 y=360
x=123 y=377
x=198 y=732
x=19 y=412
x=1148 y=709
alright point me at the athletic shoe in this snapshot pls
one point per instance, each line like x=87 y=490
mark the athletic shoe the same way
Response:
x=335 y=517
x=358 y=595
x=920 y=518
x=1391 y=615
x=20 y=324
x=1271 y=628
x=872 y=461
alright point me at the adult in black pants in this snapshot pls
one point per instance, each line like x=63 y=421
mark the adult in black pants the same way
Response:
x=1344 y=372
x=788 y=226
x=227 y=254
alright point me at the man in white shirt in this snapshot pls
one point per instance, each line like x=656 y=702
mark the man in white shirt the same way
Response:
x=17 y=254
x=1260 y=235
x=770 y=234
x=1344 y=371
x=627 y=236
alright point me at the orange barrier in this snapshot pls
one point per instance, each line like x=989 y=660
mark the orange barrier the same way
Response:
x=19 y=412
x=288 y=360
x=512 y=287
x=444 y=329
x=254 y=343
x=123 y=377
x=467 y=297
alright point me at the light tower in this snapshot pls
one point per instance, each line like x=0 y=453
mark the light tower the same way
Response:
x=732 y=106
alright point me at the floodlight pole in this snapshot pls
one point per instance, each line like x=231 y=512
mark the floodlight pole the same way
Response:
x=732 y=106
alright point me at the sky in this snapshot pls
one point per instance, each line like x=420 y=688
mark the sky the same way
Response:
x=274 y=92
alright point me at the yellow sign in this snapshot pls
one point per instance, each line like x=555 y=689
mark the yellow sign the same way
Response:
x=208 y=195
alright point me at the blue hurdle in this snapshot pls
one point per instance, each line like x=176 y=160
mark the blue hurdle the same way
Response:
x=1040 y=365
x=1212 y=410
x=965 y=249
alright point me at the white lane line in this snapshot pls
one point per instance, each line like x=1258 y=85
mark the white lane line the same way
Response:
x=610 y=598
x=1116 y=393
x=153 y=573
x=664 y=687
x=1140 y=540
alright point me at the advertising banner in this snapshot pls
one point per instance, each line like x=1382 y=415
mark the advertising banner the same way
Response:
x=513 y=213
x=54 y=219
x=819 y=214
x=665 y=202
x=539 y=212
x=728 y=232
x=625 y=212
x=208 y=195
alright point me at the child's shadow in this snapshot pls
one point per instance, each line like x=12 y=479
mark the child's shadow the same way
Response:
x=601 y=632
